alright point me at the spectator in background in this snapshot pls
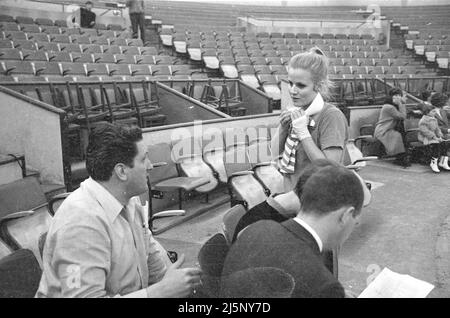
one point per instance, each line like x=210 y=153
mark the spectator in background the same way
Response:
x=137 y=17
x=431 y=135
x=390 y=127
x=87 y=17
x=440 y=102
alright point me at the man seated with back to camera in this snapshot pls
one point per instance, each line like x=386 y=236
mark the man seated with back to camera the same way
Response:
x=331 y=203
x=281 y=207
x=99 y=243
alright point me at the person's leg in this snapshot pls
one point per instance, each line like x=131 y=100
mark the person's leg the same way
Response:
x=443 y=161
x=142 y=26
x=134 y=25
x=434 y=154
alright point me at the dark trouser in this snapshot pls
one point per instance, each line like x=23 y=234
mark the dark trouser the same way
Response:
x=138 y=22
x=438 y=150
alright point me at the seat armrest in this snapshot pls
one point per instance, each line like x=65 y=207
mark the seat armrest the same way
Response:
x=189 y=156
x=364 y=159
x=16 y=215
x=159 y=164
x=242 y=173
x=264 y=164
x=168 y=213
x=56 y=198
x=363 y=137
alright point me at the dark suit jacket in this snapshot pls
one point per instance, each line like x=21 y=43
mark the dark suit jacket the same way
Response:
x=287 y=246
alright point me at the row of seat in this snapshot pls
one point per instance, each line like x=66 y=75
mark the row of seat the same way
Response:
x=273 y=36
x=67 y=39
x=47 y=71
x=126 y=55
x=44 y=22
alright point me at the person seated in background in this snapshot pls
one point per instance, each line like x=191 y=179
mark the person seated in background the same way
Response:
x=331 y=203
x=87 y=17
x=440 y=102
x=431 y=135
x=390 y=129
x=99 y=243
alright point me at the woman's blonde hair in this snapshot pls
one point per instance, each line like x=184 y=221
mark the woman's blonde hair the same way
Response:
x=316 y=62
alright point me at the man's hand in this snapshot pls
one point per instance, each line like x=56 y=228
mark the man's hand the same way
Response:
x=300 y=126
x=177 y=282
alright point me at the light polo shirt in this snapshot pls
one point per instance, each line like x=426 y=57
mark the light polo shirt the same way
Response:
x=96 y=247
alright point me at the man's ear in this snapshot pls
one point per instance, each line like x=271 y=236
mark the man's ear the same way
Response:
x=345 y=214
x=120 y=172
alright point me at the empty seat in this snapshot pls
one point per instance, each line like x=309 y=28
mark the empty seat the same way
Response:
x=19 y=67
x=125 y=59
x=30 y=28
x=99 y=40
x=137 y=70
x=91 y=48
x=24 y=20
x=119 y=70
x=112 y=49
x=162 y=71
x=135 y=42
x=60 y=38
x=38 y=37
x=6 y=44
x=145 y=59
x=31 y=55
x=115 y=27
x=59 y=57
x=97 y=69
x=61 y=23
x=47 y=68
x=81 y=39
x=73 y=69
x=6 y=18
x=82 y=58
x=71 y=48
x=25 y=45
x=130 y=50
x=15 y=35
x=43 y=21
x=88 y=32
x=48 y=46
x=104 y=58
x=10 y=54
x=118 y=41
x=51 y=29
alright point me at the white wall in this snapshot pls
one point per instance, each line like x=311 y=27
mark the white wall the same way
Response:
x=34 y=131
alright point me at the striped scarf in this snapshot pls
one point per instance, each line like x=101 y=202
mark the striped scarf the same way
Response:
x=287 y=162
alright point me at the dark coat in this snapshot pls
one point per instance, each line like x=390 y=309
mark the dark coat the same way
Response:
x=287 y=246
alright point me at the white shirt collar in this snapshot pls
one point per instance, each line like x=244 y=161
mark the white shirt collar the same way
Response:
x=311 y=231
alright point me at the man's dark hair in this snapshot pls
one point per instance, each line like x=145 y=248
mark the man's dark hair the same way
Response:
x=89 y=2
x=110 y=144
x=330 y=189
x=439 y=100
x=309 y=170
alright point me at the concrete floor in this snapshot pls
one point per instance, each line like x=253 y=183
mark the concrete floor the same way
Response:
x=405 y=229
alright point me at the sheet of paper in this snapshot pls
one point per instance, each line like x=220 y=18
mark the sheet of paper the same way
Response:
x=389 y=284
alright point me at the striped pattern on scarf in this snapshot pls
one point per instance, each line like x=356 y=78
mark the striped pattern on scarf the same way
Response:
x=287 y=162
